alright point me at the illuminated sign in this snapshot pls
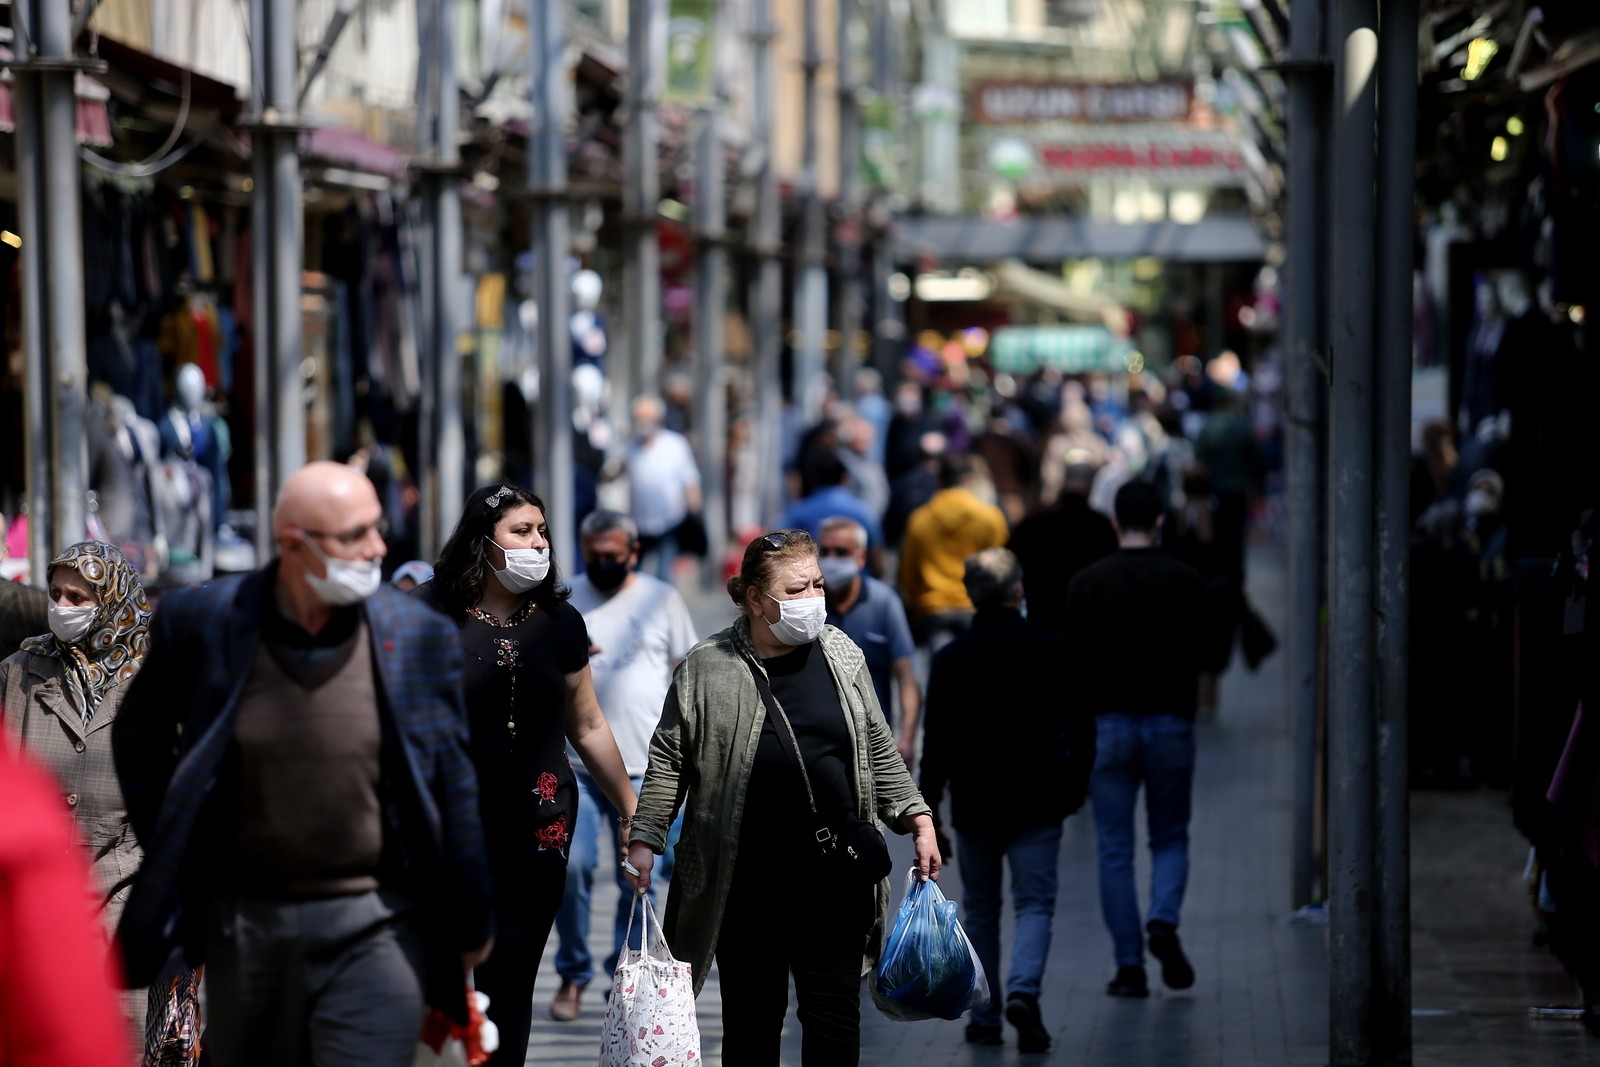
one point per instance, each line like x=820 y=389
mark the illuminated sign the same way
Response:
x=1015 y=103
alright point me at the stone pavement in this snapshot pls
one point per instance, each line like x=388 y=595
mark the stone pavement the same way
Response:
x=1261 y=997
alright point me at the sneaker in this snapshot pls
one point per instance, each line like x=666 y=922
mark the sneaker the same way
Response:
x=564 y=1008
x=1129 y=982
x=979 y=1034
x=1165 y=946
x=1022 y=1011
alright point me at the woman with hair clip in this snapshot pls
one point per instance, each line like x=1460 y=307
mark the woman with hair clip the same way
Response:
x=771 y=728
x=528 y=692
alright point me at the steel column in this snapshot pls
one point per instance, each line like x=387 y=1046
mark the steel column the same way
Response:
x=38 y=410
x=1304 y=349
x=641 y=192
x=1397 y=113
x=710 y=324
x=765 y=298
x=811 y=293
x=1352 y=769
x=847 y=359
x=547 y=168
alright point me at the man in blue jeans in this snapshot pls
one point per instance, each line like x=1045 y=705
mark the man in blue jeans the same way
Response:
x=1013 y=778
x=1134 y=623
x=639 y=628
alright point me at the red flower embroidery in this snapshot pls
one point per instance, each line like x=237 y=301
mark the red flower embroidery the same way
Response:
x=553 y=836
x=546 y=787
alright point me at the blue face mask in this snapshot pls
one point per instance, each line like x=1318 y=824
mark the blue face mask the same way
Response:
x=838 y=572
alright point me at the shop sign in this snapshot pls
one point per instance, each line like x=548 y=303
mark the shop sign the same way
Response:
x=1167 y=157
x=879 y=146
x=1006 y=103
x=689 y=52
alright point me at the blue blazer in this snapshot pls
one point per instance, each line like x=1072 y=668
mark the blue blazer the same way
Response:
x=172 y=740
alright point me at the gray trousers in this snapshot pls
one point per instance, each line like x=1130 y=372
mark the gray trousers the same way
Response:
x=319 y=983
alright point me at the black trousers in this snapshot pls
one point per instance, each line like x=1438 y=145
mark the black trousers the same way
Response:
x=772 y=929
x=526 y=899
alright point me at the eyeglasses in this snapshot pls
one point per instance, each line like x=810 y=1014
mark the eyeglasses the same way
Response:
x=839 y=551
x=355 y=536
x=775 y=540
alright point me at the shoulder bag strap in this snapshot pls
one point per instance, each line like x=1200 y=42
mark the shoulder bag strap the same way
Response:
x=791 y=745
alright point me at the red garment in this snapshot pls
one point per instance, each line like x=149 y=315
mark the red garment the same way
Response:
x=58 y=1007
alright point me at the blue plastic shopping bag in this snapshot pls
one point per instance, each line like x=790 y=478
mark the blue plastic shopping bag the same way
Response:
x=928 y=969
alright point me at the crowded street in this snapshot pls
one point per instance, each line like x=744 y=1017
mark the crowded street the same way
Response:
x=799 y=533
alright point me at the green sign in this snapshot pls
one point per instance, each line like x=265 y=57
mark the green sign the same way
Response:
x=689 y=51
x=880 y=165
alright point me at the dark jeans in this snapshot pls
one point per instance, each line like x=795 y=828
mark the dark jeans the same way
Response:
x=526 y=899
x=771 y=930
x=317 y=983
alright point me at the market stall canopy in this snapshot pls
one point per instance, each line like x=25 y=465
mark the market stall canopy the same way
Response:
x=1068 y=349
x=1052 y=239
x=1017 y=279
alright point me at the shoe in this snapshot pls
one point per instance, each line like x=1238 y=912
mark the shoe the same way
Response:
x=1022 y=1011
x=1129 y=982
x=564 y=1008
x=1165 y=946
x=979 y=1034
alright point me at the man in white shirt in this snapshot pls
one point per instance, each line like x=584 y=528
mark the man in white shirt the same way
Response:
x=639 y=629
x=663 y=483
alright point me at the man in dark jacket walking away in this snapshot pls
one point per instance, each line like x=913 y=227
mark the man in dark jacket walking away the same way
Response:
x=1013 y=778
x=1055 y=543
x=1133 y=626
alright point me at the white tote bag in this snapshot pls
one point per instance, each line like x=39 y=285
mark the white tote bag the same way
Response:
x=650 y=1018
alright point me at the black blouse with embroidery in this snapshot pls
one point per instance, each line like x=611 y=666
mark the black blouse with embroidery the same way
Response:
x=515 y=676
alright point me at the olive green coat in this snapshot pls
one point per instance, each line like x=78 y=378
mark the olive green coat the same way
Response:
x=700 y=758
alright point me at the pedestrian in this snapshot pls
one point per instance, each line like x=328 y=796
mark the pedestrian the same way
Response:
x=750 y=890
x=294 y=758
x=1011 y=785
x=640 y=630
x=871 y=615
x=24 y=610
x=940 y=536
x=663 y=484
x=58 y=1006
x=58 y=697
x=831 y=496
x=868 y=482
x=1136 y=604
x=409 y=575
x=529 y=692
x=1056 y=542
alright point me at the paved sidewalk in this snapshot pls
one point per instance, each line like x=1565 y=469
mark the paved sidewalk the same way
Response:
x=1262 y=992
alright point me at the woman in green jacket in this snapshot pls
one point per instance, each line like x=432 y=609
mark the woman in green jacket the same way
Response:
x=749 y=889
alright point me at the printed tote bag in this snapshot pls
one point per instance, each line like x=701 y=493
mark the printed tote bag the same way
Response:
x=650 y=1019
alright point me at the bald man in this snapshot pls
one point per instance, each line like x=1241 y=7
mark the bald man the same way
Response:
x=294 y=756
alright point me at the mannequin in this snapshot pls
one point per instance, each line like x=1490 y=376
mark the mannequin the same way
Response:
x=1480 y=394
x=589 y=342
x=189 y=433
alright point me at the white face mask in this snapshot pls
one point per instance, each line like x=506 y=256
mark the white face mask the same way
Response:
x=348 y=581
x=1480 y=502
x=70 y=625
x=799 y=622
x=838 y=572
x=524 y=569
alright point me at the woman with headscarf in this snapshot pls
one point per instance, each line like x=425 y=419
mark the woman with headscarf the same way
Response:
x=59 y=695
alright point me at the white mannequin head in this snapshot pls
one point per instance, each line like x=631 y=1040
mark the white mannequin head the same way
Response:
x=191 y=388
x=586 y=290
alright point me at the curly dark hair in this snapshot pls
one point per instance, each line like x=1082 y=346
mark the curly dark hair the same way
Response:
x=762 y=557
x=463 y=567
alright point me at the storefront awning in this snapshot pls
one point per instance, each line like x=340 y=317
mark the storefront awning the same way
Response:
x=93 y=121
x=1053 y=239
x=1068 y=349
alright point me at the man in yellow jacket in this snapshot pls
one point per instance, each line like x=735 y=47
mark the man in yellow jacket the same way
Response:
x=940 y=535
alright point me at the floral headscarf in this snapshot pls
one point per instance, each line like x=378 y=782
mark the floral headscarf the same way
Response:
x=111 y=651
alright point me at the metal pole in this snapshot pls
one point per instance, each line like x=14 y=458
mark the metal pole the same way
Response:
x=811 y=295
x=710 y=327
x=1397 y=114
x=450 y=488
x=1352 y=769
x=887 y=327
x=276 y=235
x=37 y=410
x=641 y=192
x=766 y=287
x=64 y=301
x=849 y=240
x=547 y=152
x=1303 y=346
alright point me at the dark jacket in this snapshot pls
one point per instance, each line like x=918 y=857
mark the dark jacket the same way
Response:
x=172 y=741
x=1137 y=623
x=24 y=613
x=1053 y=545
x=1003 y=728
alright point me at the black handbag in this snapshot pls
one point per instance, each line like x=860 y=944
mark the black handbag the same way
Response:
x=854 y=844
